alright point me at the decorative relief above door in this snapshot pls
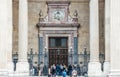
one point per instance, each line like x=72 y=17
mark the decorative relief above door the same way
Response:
x=58 y=11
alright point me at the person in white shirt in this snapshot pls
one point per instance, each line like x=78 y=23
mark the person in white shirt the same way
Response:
x=74 y=73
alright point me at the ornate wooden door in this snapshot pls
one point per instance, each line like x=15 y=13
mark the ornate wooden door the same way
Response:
x=58 y=50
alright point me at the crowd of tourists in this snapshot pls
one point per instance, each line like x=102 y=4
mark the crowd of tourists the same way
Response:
x=58 y=70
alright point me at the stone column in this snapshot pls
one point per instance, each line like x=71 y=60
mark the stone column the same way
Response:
x=114 y=38
x=107 y=38
x=3 y=37
x=6 y=37
x=40 y=60
x=10 y=65
x=94 y=66
x=22 y=65
x=75 y=50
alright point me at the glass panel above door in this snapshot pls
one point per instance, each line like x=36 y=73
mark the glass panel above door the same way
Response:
x=58 y=42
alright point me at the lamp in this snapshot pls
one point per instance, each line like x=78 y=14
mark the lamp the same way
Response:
x=31 y=58
x=45 y=55
x=85 y=52
x=15 y=60
x=58 y=51
x=71 y=54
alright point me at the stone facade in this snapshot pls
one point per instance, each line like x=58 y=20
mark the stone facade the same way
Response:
x=82 y=6
x=94 y=31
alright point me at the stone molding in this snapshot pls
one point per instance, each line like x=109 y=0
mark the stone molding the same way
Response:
x=50 y=24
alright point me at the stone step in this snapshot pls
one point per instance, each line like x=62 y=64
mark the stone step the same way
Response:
x=47 y=76
x=41 y=76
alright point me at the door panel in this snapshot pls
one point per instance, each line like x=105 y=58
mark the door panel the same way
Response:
x=58 y=50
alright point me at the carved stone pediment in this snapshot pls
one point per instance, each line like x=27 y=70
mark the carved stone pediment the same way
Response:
x=66 y=25
x=58 y=15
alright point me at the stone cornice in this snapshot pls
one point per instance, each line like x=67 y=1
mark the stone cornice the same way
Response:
x=39 y=1
x=73 y=1
x=50 y=24
x=58 y=2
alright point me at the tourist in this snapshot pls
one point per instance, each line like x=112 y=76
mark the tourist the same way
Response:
x=64 y=73
x=41 y=69
x=57 y=69
x=53 y=70
x=70 y=70
x=78 y=70
x=74 y=72
x=84 y=70
x=49 y=72
x=45 y=70
x=61 y=69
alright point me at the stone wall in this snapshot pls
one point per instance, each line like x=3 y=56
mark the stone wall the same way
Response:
x=15 y=26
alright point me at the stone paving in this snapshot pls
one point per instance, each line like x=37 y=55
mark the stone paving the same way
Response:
x=56 y=76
